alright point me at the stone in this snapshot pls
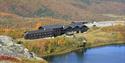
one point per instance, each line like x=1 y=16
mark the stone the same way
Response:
x=5 y=40
x=9 y=47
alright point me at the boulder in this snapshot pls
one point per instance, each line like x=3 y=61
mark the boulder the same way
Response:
x=9 y=47
x=6 y=41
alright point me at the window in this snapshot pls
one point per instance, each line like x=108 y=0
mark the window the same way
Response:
x=33 y=35
x=45 y=33
x=41 y=33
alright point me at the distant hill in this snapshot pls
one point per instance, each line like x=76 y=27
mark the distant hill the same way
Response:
x=65 y=9
x=19 y=16
x=15 y=26
x=9 y=20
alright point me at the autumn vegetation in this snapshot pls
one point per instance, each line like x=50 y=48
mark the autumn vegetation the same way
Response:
x=66 y=9
x=106 y=35
x=96 y=36
x=11 y=59
x=15 y=26
x=44 y=47
x=19 y=16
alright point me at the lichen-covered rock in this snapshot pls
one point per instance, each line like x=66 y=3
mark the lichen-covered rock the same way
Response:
x=10 y=48
x=6 y=41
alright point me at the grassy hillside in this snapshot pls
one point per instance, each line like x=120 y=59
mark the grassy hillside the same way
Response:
x=18 y=16
x=65 y=9
x=15 y=26
x=96 y=36
x=105 y=35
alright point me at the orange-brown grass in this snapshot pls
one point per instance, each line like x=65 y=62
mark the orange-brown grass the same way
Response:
x=15 y=26
x=9 y=58
x=49 y=21
x=117 y=28
x=46 y=46
x=15 y=33
x=106 y=34
x=12 y=59
x=33 y=61
x=4 y=14
x=38 y=46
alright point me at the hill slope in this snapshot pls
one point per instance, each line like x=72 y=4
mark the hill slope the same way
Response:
x=64 y=9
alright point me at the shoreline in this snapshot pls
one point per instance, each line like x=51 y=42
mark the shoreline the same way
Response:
x=64 y=52
x=86 y=47
x=106 y=44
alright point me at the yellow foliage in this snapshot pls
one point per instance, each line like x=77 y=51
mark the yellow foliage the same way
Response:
x=106 y=34
x=120 y=23
x=38 y=24
x=15 y=33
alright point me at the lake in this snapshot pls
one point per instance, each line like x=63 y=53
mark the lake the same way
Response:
x=105 y=54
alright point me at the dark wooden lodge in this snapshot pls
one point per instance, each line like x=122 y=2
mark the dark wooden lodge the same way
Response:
x=45 y=31
x=75 y=27
x=55 y=30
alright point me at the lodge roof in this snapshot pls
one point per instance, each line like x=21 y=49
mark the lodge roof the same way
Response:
x=79 y=22
x=52 y=26
x=48 y=28
x=73 y=25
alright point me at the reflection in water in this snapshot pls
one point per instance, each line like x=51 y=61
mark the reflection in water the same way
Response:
x=79 y=56
x=107 y=54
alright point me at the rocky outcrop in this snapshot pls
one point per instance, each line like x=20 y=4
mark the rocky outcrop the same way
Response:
x=9 y=47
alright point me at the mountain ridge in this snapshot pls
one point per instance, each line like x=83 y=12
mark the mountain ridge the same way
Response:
x=68 y=10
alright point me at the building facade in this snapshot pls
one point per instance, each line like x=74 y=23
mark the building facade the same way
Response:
x=55 y=30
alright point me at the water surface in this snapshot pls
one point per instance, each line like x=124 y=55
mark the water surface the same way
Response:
x=106 y=54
